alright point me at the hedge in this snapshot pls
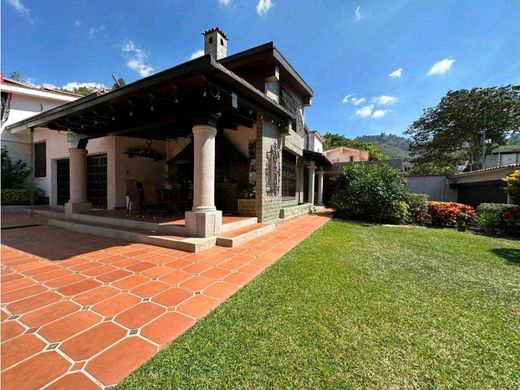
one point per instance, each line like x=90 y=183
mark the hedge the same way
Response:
x=22 y=196
x=445 y=213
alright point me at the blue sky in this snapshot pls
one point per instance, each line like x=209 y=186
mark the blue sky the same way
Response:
x=340 y=48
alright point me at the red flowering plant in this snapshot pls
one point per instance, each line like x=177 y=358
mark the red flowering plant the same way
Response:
x=511 y=218
x=446 y=213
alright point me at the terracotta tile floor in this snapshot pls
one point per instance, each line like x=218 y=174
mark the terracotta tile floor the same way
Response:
x=80 y=311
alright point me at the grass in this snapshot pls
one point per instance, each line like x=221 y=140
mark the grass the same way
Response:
x=359 y=306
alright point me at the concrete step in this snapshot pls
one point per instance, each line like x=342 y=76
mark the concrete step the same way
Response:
x=239 y=224
x=242 y=235
x=186 y=244
x=129 y=223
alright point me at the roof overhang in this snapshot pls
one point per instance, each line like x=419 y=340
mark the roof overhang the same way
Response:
x=164 y=105
x=16 y=90
x=267 y=55
x=317 y=157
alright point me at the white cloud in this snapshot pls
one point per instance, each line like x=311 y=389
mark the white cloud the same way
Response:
x=74 y=85
x=357 y=102
x=379 y=113
x=77 y=23
x=346 y=99
x=136 y=59
x=20 y=8
x=365 y=111
x=224 y=3
x=263 y=6
x=396 y=73
x=384 y=100
x=94 y=30
x=441 y=67
x=357 y=14
x=197 y=54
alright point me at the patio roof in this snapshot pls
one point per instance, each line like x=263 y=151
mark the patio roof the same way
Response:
x=165 y=105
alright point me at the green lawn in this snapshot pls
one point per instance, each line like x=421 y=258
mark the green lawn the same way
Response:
x=360 y=306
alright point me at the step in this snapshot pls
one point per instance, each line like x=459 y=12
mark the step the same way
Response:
x=186 y=244
x=241 y=223
x=127 y=223
x=242 y=235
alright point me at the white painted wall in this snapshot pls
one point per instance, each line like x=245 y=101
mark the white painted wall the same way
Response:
x=22 y=107
x=139 y=168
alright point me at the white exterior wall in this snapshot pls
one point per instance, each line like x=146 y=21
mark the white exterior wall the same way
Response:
x=21 y=107
x=139 y=168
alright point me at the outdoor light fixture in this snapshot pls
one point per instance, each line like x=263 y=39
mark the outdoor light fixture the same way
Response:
x=131 y=113
x=176 y=101
x=151 y=108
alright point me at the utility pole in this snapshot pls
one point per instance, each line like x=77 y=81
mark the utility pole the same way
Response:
x=483 y=158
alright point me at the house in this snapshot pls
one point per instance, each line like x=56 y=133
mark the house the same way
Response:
x=205 y=128
x=20 y=101
x=483 y=185
x=314 y=141
x=502 y=156
x=343 y=154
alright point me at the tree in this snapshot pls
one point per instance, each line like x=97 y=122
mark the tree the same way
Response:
x=13 y=173
x=16 y=76
x=453 y=131
x=336 y=140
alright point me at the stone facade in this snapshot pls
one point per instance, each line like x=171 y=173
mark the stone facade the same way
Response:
x=267 y=205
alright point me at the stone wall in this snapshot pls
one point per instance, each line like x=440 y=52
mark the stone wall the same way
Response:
x=267 y=206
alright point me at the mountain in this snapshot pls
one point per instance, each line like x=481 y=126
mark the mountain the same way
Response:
x=392 y=145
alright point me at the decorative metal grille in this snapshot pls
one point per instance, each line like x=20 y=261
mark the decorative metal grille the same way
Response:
x=288 y=174
x=292 y=105
x=272 y=171
x=6 y=106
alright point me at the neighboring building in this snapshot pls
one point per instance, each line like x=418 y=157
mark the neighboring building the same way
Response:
x=205 y=127
x=343 y=154
x=20 y=101
x=314 y=141
x=502 y=156
x=483 y=185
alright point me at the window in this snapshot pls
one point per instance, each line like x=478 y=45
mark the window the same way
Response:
x=351 y=158
x=288 y=174
x=40 y=160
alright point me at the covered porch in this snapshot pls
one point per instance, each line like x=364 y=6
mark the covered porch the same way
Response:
x=208 y=112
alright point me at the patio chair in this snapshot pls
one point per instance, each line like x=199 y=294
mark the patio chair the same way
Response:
x=133 y=197
x=150 y=197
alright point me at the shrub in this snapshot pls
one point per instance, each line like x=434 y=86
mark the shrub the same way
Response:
x=496 y=207
x=22 y=196
x=14 y=174
x=511 y=219
x=513 y=186
x=445 y=213
x=371 y=192
x=488 y=220
x=418 y=208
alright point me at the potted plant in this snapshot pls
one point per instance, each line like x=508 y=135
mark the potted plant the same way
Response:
x=462 y=221
x=488 y=220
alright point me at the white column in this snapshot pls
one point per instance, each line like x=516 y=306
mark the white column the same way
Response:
x=204 y=168
x=320 y=187
x=312 y=169
x=78 y=201
x=203 y=220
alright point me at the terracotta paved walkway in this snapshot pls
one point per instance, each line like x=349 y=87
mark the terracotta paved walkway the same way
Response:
x=82 y=311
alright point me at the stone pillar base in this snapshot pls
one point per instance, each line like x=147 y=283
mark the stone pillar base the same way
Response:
x=77 y=207
x=203 y=223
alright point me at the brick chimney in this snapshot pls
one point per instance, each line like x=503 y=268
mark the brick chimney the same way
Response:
x=215 y=43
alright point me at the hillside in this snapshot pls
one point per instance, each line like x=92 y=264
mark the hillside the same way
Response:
x=391 y=145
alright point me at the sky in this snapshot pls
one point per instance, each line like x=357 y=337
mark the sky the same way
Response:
x=374 y=65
